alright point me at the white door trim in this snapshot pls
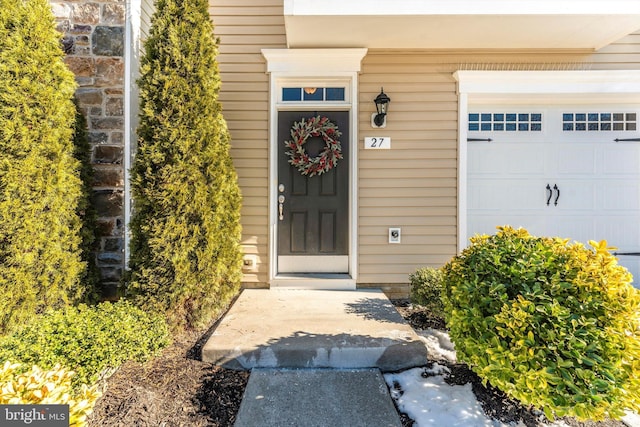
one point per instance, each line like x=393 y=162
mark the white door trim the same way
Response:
x=531 y=87
x=312 y=67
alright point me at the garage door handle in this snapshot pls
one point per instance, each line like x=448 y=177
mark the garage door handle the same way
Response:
x=555 y=187
x=549 y=194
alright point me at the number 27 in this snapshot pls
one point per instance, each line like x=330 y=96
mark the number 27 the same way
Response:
x=377 y=142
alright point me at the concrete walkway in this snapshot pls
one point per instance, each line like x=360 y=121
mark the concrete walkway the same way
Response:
x=315 y=356
x=317 y=398
x=314 y=329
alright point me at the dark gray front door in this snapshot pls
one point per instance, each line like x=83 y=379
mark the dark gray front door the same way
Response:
x=313 y=231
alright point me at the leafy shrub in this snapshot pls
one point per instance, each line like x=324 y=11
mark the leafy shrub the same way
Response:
x=426 y=289
x=185 y=246
x=88 y=340
x=35 y=386
x=552 y=324
x=40 y=188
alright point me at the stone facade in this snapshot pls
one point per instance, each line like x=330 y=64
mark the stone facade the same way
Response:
x=94 y=42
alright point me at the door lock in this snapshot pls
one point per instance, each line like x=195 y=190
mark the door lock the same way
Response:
x=281 y=207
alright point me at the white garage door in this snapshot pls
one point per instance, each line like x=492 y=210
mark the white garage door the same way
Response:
x=571 y=171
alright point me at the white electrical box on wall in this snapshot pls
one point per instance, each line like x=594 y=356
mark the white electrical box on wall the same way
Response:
x=250 y=263
x=395 y=235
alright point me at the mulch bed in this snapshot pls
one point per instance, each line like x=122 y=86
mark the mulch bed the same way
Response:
x=178 y=389
x=174 y=389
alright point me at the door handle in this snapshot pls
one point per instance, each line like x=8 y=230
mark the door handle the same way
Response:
x=549 y=194
x=281 y=207
x=555 y=187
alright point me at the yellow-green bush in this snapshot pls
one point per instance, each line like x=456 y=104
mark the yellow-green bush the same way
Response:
x=552 y=324
x=88 y=340
x=40 y=187
x=35 y=386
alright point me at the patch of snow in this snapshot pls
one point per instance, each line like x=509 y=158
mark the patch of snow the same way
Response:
x=439 y=345
x=631 y=419
x=432 y=402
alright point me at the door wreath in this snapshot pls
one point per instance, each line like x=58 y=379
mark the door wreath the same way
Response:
x=314 y=127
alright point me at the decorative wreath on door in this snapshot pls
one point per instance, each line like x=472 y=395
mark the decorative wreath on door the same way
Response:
x=314 y=127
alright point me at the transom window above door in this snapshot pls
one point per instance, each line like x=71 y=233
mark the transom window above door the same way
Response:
x=313 y=94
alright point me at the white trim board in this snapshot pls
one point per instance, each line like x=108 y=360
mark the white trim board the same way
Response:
x=460 y=7
x=541 y=87
x=131 y=63
x=488 y=85
x=313 y=62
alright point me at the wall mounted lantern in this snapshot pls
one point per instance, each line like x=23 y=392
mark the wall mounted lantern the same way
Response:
x=379 y=119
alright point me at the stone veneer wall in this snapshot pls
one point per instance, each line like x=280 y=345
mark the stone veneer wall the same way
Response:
x=94 y=33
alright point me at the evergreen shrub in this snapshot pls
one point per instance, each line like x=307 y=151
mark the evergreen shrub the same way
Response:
x=426 y=289
x=90 y=280
x=40 y=188
x=185 y=247
x=91 y=341
x=552 y=324
x=21 y=386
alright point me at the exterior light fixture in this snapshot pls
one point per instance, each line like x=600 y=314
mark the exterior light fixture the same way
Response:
x=379 y=119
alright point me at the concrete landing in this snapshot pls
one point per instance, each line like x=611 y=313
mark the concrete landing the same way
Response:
x=317 y=398
x=314 y=329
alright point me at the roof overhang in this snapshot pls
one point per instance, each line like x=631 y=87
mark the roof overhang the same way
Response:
x=459 y=24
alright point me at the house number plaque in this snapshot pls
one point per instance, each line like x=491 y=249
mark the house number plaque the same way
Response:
x=377 y=143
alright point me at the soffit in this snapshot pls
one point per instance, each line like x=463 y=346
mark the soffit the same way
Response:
x=459 y=24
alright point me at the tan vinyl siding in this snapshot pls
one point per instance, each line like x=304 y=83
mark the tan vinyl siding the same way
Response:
x=147 y=9
x=414 y=185
x=244 y=28
x=621 y=55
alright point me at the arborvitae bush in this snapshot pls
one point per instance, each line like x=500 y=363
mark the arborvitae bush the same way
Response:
x=185 y=252
x=40 y=187
x=552 y=324
x=90 y=281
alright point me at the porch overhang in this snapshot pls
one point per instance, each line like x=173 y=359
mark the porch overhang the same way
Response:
x=459 y=24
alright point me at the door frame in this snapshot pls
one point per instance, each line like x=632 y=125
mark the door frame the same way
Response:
x=313 y=68
x=533 y=87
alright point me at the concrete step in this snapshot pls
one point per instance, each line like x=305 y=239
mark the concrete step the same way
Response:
x=314 y=329
x=317 y=398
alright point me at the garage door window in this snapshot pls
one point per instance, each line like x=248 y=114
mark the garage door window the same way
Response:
x=507 y=122
x=599 y=122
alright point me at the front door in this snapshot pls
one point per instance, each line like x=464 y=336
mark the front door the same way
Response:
x=313 y=211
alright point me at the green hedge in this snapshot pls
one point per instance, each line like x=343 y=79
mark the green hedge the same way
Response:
x=40 y=187
x=87 y=340
x=426 y=289
x=552 y=324
x=185 y=246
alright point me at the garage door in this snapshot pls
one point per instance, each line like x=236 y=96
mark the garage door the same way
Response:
x=570 y=171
